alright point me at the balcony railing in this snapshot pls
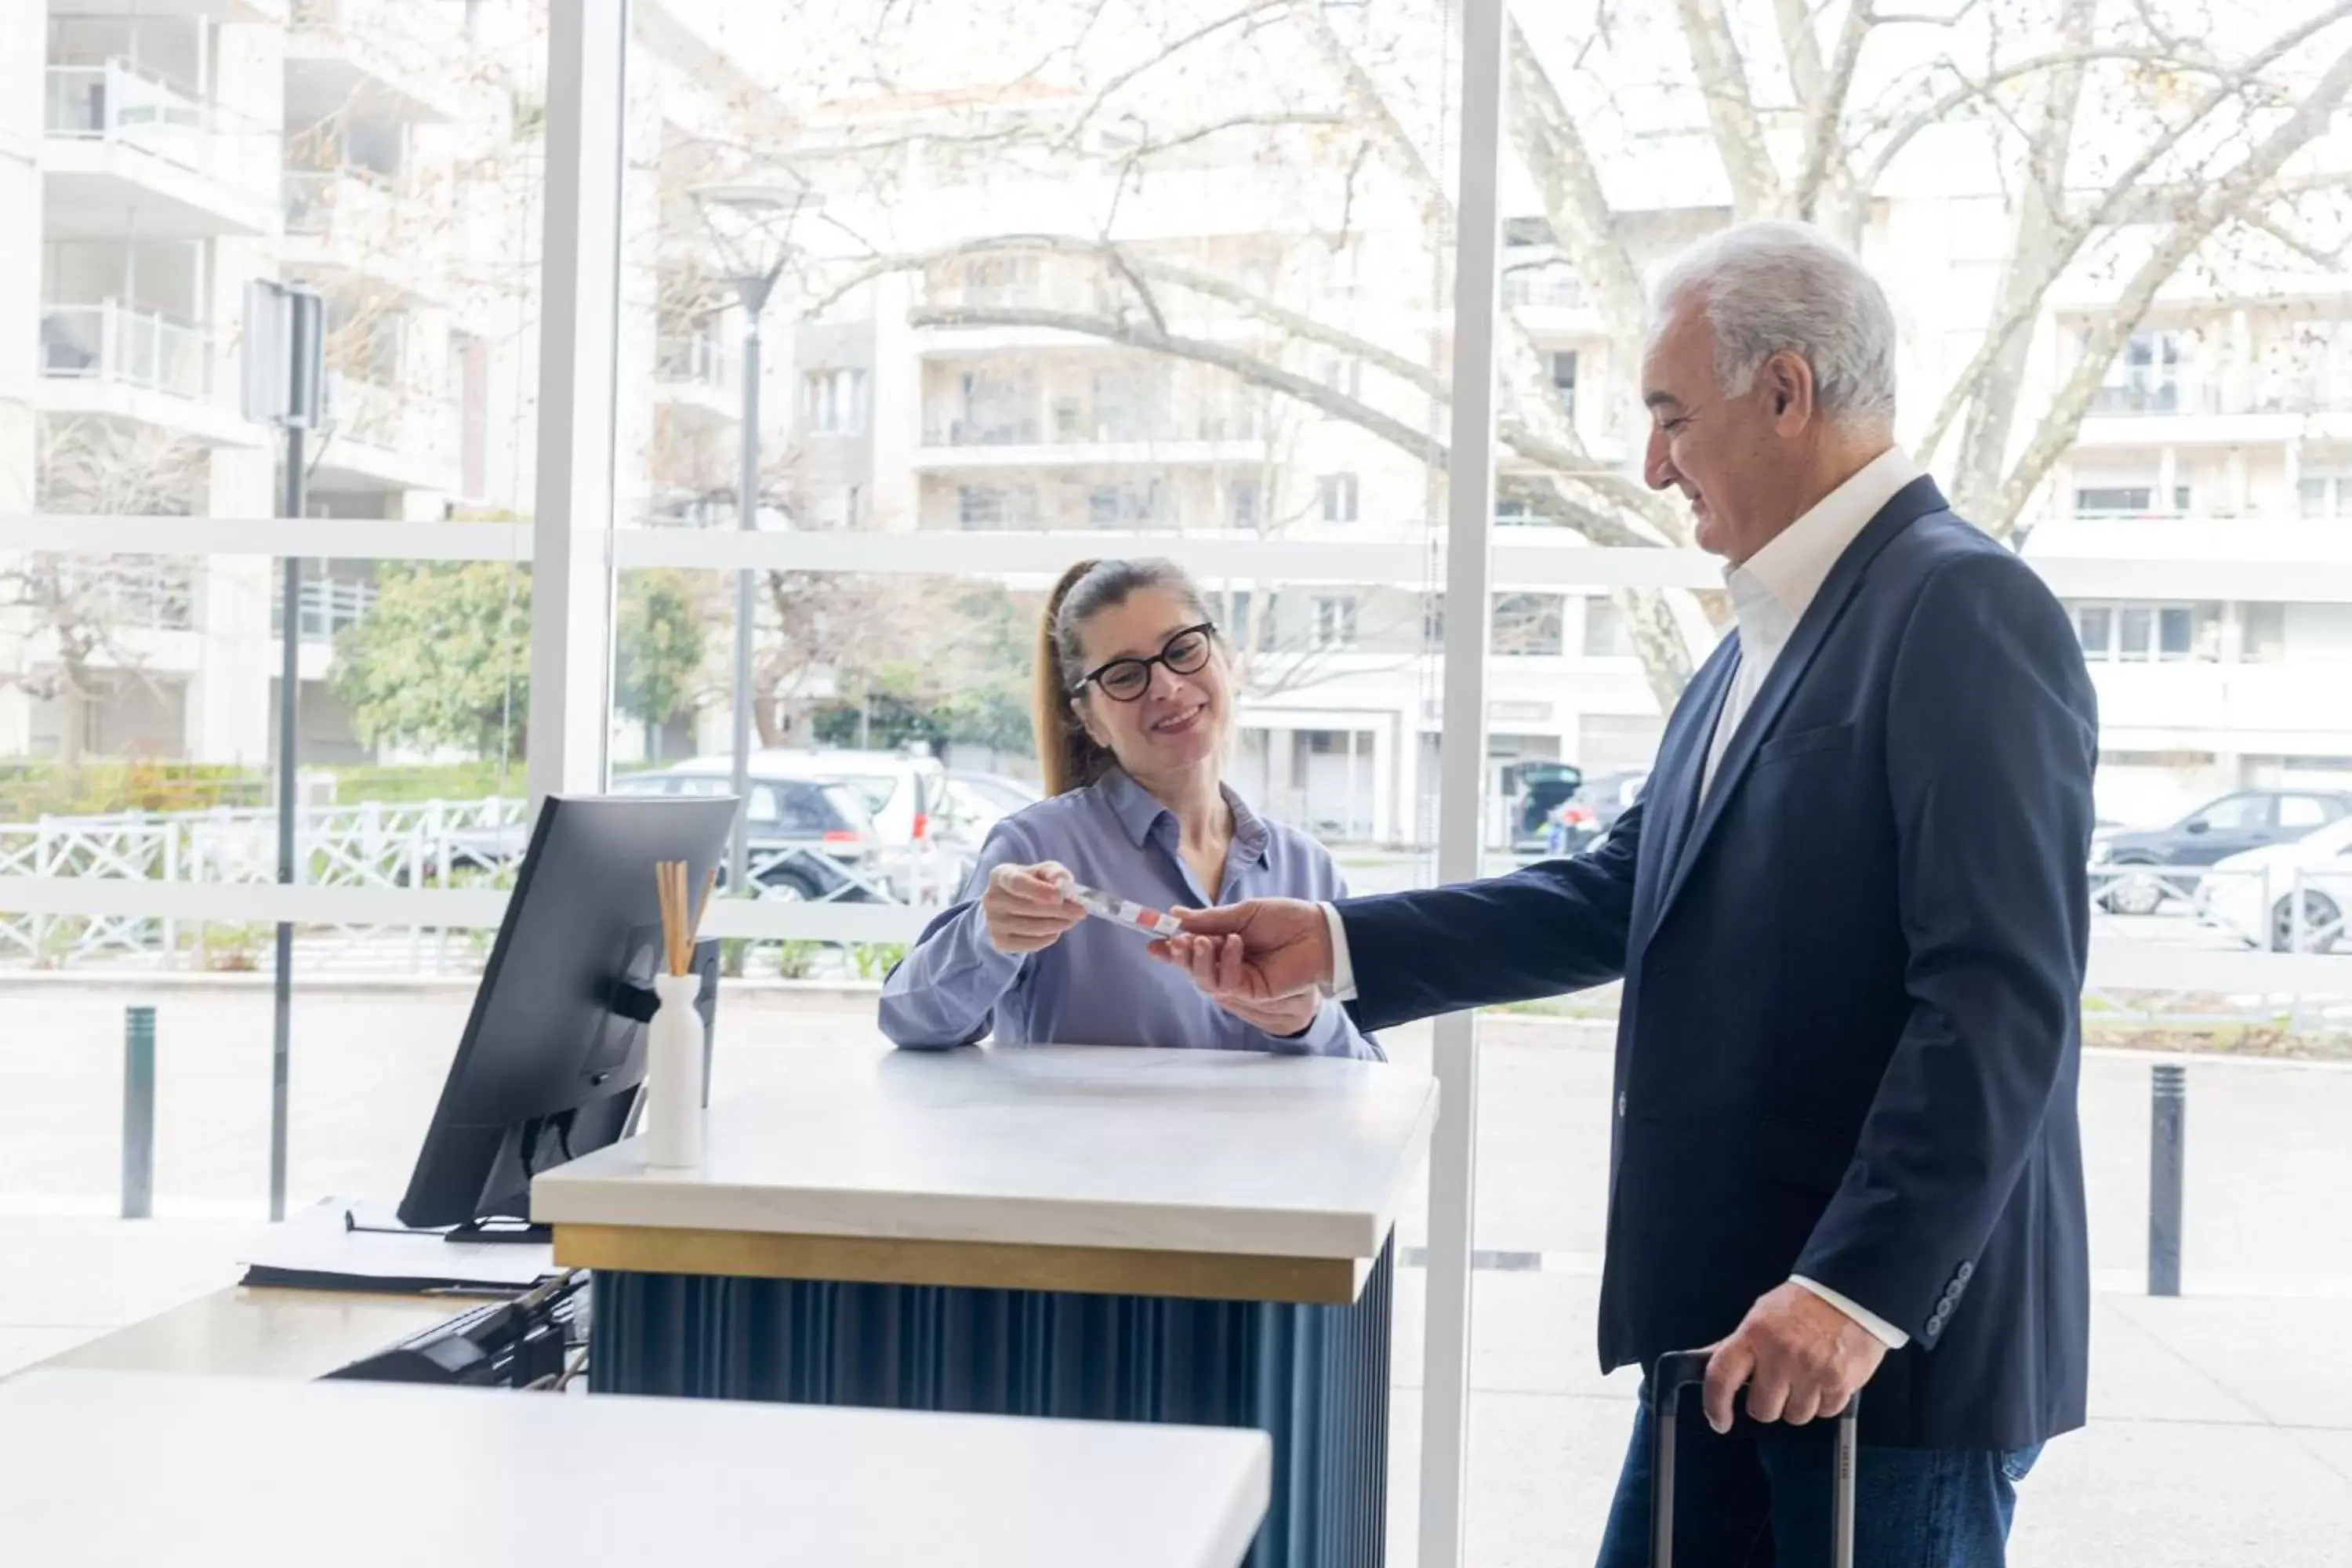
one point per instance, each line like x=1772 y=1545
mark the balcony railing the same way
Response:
x=329 y=605
x=696 y=359
x=1539 y=288
x=2267 y=394
x=372 y=414
x=317 y=200
x=1077 y=432
x=114 y=341
x=131 y=591
x=114 y=102
x=413 y=35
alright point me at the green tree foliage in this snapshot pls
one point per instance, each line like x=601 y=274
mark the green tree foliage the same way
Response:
x=965 y=677
x=658 y=630
x=442 y=661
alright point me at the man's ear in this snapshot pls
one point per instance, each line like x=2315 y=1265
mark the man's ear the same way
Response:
x=1791 y=381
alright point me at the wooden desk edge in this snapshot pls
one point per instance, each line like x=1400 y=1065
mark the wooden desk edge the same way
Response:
x=971 y=1265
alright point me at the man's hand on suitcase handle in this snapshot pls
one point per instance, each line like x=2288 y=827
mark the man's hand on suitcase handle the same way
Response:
x=1797 y=1357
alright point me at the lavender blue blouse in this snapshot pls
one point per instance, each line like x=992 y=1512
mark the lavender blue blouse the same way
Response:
x=1097 y=985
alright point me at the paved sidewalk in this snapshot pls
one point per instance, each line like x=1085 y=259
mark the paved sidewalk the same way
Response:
x=2222 y=1422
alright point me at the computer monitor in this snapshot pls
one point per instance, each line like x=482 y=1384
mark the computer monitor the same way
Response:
x=553 y=1052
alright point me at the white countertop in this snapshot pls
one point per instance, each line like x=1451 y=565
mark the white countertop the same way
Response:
x=111 y=1469
x=1212 y=1151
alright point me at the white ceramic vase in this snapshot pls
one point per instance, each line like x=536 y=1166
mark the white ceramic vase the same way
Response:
x=674 y=1047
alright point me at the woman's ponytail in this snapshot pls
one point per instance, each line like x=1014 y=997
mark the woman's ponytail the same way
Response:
x=1067 y=757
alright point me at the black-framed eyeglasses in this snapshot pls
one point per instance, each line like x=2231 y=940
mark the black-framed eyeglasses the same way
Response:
x=1125 y=679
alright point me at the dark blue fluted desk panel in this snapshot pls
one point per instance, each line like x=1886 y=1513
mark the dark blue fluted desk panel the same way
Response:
x=1316 y=1378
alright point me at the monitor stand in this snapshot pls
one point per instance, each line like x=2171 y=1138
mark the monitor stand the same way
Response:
x=499 y=1228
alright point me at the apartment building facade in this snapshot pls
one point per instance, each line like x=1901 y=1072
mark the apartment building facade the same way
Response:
x=375 y=149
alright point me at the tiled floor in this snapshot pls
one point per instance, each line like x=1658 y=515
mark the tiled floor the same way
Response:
x=2222 y=1422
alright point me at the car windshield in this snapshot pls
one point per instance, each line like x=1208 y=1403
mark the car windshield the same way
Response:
x=849 y=804
x=874 y=789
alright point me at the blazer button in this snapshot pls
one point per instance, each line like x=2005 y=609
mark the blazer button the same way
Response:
x=1621 y=1102
x=1968 y=1272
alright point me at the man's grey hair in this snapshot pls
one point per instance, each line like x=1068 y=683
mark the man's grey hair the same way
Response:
x=1773 y=287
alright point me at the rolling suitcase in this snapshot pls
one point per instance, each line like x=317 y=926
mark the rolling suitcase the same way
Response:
x=1688 y=1369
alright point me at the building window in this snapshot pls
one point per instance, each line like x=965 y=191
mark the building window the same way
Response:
x=1563 y=379
x=1527 y=626
x=1607 y=632
x=2325 y=495
x=2263 y=632
x=980 y=506
x=1233 y=619
x=1335 y=623
x=832 y=402
x=2143 y=634
x=2125 y=501
x=1245 y=503
x=1126 y=505
x=2144 y=377
x=1338 y=496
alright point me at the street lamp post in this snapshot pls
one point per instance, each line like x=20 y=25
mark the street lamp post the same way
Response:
x=752 y=226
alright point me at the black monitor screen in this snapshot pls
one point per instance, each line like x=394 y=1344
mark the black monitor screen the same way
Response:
x=554 y=1049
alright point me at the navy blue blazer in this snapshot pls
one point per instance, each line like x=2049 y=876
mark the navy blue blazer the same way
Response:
x=1851 y=1028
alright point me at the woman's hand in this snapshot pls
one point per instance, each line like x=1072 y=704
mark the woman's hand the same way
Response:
x=1024 y=908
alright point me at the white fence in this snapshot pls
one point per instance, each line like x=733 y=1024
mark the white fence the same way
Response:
x=369 y=845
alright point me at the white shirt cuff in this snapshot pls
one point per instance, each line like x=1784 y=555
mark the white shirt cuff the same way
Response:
x=1343 y=972
x=1881 y=1331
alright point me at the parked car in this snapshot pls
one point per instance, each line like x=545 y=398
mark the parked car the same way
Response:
x=2252 y=896
x=2234 y=823
x=810 y=839
x=1535 y=790
x=1584 y=818
x=900 y=790
x=972 y=804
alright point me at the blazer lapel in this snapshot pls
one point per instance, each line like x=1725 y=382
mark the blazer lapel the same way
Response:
x=1913 y=500
x=1681 y=761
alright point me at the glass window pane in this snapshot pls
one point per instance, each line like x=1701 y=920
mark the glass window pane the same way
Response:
x=2300 y=811
x=2176 y=632
x=2136 y=625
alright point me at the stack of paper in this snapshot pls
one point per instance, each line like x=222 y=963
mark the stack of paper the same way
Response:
x=338 y=1244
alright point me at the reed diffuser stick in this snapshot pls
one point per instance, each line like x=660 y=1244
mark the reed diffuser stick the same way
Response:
x=680 y=921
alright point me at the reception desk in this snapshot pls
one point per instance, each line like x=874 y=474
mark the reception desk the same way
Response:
x=1198 y=1238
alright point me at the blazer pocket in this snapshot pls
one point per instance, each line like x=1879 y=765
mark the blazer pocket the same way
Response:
x=1828 y=737
x=1801 y=1157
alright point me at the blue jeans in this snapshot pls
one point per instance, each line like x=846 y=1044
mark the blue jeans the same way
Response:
x=1758 y=1496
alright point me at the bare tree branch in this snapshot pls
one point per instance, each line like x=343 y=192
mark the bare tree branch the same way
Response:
x=1140 y=334
x=1825 y=105
x=2121 y=193
x=2038 y=229
x=2227 y=197
x=1756 y=188
x=2310 y=250
x=1945 y=106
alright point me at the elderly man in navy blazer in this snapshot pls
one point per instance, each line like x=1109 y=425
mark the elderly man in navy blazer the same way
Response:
x=1849 y=913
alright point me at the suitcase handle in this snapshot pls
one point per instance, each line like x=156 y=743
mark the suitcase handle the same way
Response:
x=1678 y=1370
